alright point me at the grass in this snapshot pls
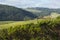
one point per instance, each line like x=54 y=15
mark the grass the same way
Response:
x=7 y=24
x=38 y=29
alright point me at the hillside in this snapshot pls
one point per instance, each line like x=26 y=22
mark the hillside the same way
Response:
x=40 y=11
x=10 y=13
x=41 y=29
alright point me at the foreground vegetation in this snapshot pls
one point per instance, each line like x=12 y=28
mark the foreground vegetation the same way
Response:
x=43 y=29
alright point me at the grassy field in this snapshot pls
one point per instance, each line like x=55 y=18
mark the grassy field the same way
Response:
x=7 y=24
x=38 y=29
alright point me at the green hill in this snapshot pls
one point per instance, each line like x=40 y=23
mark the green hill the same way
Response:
x=10 y=13
x=40 y=11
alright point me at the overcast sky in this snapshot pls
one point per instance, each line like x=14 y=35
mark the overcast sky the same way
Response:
x=32 y=3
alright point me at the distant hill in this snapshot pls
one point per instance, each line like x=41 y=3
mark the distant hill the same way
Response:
x=40 y=12
x=10 y=13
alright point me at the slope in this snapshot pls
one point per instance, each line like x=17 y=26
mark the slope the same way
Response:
x=10 y=13
x=40 y=11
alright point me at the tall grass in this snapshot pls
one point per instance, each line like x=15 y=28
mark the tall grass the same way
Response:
x=45 y=29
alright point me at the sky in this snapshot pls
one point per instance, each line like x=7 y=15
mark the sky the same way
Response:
x=32 y=3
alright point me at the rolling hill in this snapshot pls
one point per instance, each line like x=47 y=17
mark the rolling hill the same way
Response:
x=40 y=11
x=10 y=13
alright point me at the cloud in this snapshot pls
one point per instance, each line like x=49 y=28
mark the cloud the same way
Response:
x=32 y=3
